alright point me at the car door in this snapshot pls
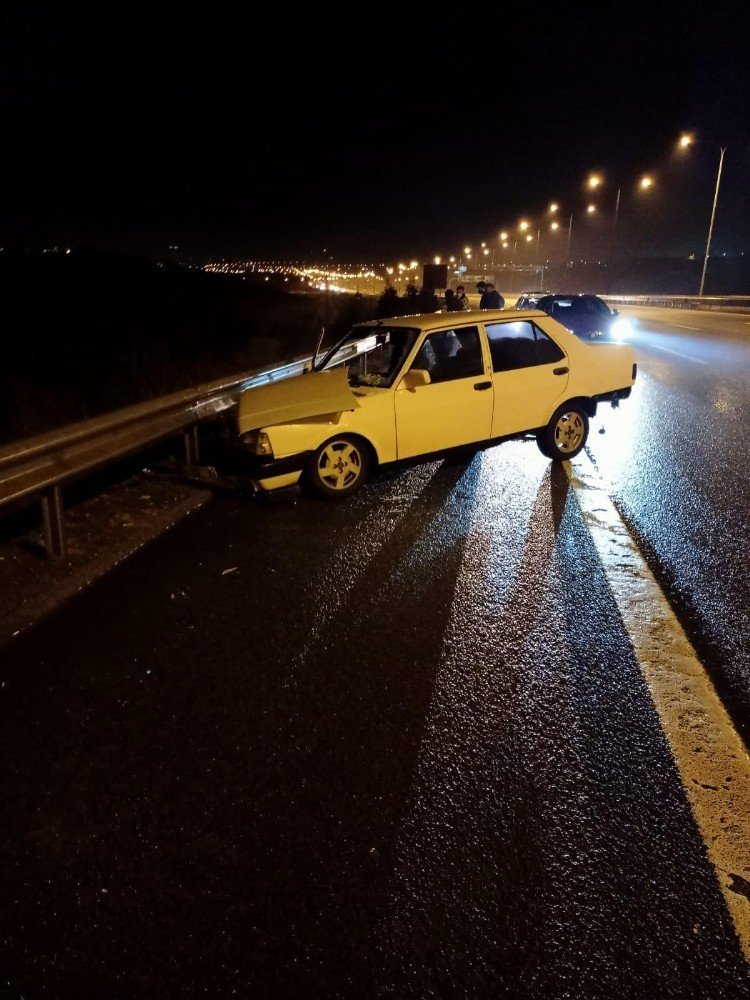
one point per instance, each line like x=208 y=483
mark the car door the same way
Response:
x=455 y=408
x=530 y=375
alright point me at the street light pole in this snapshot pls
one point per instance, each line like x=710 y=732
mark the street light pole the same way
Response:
x=614 y=235
x=570 y=230
x=713 y=216
x=614 y=227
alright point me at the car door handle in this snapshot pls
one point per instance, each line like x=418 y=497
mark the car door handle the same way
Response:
x=482 y=385
x=560 y=371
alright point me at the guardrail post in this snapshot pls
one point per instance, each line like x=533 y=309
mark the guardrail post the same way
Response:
x=53 y=522
x=192 y=445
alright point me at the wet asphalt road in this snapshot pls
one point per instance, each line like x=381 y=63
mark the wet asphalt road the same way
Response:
x=678 y=463
x=402 y=749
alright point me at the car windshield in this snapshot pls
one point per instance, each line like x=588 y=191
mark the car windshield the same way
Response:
x=575 y=308
x=373 y=355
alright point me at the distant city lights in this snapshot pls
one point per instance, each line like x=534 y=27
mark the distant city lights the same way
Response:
x=323 y=279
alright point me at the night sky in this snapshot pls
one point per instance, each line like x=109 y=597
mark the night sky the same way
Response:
x=373 y=132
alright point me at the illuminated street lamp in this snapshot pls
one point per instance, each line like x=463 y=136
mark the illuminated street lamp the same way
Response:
x=503 y=236
x=486 y=251
x=467 y=251
x=553 y=207
x=593 y=181
x=529 y=238
x=590 y=209
x=554 y=226
x=452 y=260
x=413 y=265
x=646 y=182
x=438 y=260
x=685 y=141
x=523 y=225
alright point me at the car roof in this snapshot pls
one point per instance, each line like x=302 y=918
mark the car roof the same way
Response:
x=575 y=295
x=469 y=317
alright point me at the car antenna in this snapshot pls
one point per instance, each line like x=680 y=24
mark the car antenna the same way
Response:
x=317 y=347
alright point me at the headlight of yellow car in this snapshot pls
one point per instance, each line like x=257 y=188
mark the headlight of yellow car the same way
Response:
x=258 y=443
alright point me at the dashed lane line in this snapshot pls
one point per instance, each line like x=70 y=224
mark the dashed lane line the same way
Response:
x=682 y=326
x=688 y=357
x=712 y=761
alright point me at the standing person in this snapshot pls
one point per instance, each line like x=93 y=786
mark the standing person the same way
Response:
x=450 y=304
x=491 y=298
x=481 y=289
x=461 y=297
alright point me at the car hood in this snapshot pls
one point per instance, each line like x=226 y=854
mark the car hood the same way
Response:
x=295 y=398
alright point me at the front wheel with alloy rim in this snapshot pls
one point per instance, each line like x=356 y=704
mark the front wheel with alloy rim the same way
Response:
x=565 y=434
x=338 y=467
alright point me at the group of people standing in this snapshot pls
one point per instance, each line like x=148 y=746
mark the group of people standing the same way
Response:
x=489 y=298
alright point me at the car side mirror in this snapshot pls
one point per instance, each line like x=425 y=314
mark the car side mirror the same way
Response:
x=307 y=367
x=615 y=312
x=415 y=378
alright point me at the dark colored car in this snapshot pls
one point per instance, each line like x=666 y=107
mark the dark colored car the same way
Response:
x=587 y=316
x=528 y=300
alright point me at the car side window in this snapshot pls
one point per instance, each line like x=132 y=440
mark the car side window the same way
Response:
x=451 y=354
x=547 y=351
x=520 y=345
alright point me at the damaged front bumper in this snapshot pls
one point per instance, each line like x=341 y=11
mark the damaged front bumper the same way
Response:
x=272 y=473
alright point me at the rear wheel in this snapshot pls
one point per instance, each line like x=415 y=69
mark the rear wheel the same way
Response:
x=565 y=434
x=339 y=467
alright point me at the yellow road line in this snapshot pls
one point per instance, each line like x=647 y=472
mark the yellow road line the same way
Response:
x=711 y=759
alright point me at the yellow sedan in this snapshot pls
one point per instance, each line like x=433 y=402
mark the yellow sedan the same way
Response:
x=420 y=385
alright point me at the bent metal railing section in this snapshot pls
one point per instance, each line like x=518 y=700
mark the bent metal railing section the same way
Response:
x=37 y=468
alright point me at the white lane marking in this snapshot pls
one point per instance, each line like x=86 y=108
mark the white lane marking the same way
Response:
x=698 y=361
x=680 y=326
x=712 y=761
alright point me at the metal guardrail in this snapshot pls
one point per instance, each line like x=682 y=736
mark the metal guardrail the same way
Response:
x=37 y=468
x=717 y=303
